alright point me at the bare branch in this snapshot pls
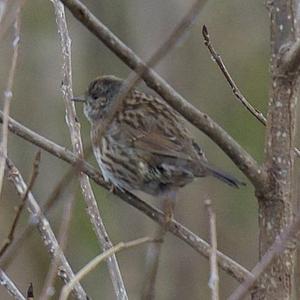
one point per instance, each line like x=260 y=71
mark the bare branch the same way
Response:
x=62 y=240
x=6 y=282
x=235 y=90
x=134 y=77
x=34 y=174
x=199 y=245
x=8 y=95
x=214 y=274
x=201 y=120
x=237 y=93
x=97 y=260
x=8 y=14
x=55 y=195
x=152 y=263
x=287 y=239
x=74 y=128
x=48 y=237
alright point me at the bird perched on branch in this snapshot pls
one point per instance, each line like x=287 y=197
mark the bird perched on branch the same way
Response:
x=142 y=143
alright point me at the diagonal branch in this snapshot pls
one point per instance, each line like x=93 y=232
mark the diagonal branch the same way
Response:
x=6 y=282
x=237 y=93
x=33 y=177
x=48 y=237
x=239 y=156
x=90 y=266
x=74 y=128
x=199 y=245
x=286 y=239
x=62 y=240
x=54 y=196
x=134 y=77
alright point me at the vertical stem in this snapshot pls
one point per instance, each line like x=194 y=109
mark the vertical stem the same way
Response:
x=276 y=203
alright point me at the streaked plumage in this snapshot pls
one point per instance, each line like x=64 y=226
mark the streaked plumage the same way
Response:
x=146 y=146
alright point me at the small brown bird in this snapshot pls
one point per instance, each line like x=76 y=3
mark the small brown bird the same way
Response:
x=146 y=145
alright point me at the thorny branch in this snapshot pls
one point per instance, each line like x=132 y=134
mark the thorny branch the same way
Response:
x=74 y=128
x=199 y=245
x=34 y=174
x=202 y=121
x=48 y=237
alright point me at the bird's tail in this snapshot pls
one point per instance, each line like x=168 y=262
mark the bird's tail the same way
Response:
x=225 y=177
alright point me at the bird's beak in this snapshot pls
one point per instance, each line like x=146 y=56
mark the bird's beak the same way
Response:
x=79 y=99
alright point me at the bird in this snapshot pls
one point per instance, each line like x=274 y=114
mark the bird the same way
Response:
x=144 y=144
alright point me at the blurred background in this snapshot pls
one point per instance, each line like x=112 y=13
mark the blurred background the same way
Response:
x=240 y=32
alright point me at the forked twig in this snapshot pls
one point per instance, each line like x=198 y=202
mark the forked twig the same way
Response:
x=34 y=174
x=74 y=128
x=213 y=259
x=235 y=90
x=9 y=285
x=8 y=96
x=97 y=260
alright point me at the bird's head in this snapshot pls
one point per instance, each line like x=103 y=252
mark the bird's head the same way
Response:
x=99 y=97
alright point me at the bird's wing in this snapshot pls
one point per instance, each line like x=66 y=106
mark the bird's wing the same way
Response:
x=155 y=141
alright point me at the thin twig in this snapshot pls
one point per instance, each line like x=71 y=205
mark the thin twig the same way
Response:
x=48 y=288
x=202 y=121
x=237 y=93
x=287 y=239
x=97 y=260
x=199 y=245
x=52 y=199
x=152 y=263
x=168 y=202
x=9 y=285
x=74 y=128
x=214 y=274
x=235 y=90
x=34 y=174
x=44 y=228
x=134 y=77
x=8 y=95
x=30 y=295
x=9 y=12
